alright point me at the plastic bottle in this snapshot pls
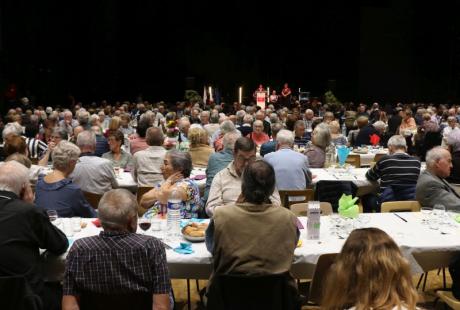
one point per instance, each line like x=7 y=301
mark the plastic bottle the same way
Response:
x=344 y=129
x=174 y=214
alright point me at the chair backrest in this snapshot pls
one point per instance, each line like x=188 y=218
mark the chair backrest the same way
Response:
x=276 y=291
x=399 y=206
x=354 y=159
x=131 y=301
x=434 y=260
x=300 y=209
x=322 y=268
x=378 y=156
x=93 y=199
x=16 y=294
x=307 y=194
x=141 y=191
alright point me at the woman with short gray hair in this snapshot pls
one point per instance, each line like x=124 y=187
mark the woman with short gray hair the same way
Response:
x=176 y=170
x=56 y=191
x=316 y=151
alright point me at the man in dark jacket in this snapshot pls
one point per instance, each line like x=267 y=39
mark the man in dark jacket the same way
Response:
x=365 y=133
x=24 y=229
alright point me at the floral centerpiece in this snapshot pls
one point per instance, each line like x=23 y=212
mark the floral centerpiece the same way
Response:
x=172 y=132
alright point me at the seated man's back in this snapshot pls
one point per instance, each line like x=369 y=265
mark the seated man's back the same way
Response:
x=94 y=174
x=118 y=261
x=24 y=229
x=291 y=168
x=397 y=168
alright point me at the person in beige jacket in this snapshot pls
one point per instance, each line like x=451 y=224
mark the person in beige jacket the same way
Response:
x=199 y=147
x=226 y=186
x=253 y=236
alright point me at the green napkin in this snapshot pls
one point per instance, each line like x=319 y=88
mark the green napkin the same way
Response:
x=347 y=206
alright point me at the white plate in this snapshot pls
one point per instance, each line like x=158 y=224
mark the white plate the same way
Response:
x=193 y=239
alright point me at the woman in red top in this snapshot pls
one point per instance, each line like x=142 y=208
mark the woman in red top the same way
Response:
x=286 y=95
x=258 y=135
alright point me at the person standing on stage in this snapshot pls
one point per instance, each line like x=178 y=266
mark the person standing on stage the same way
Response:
x=259 y=89
x=274 y=99
x=286 y=94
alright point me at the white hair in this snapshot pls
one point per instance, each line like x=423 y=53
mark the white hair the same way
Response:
x=227 y=126
x=322 y=135
x=379 y=125
x=13 y=177
x=247 y=119
x=285 y=137
x=12 y=128
x=64 y=153
x=258 y=123
x=116 y=208
x=434 y=155
x=398 y=142
x=230 y=139
x=86 y=138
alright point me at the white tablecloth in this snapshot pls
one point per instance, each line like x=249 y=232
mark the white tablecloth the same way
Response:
x=411 y=236
x=356 y=175
x=367 y=158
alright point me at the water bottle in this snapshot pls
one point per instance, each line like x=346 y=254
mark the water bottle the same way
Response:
x=344 y=129
x=174 y=214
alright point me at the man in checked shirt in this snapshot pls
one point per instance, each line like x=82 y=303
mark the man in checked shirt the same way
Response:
x=117 y=261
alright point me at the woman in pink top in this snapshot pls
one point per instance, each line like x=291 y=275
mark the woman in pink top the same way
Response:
x=258 y=135
x=138 y=143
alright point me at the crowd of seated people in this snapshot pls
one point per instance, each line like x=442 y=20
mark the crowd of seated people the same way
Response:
x=68 y=152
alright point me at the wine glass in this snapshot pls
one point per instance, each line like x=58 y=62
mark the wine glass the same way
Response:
x=144 y=224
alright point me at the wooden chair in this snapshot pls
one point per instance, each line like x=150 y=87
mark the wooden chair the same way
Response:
x=401 y=206
x=141 y=191
x=449 y=299
x=322 y=268
x=93 y=199
x=308 y=195
x=433 y=260
x=300 y=209
x=377 y=157
x=354 y=159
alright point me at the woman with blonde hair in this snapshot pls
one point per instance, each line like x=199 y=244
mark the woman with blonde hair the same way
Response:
x=337 y=138
x=199 y=147
x=369 y=273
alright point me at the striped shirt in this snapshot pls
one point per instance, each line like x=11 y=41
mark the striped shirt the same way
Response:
x=398 y=168
x=117 y=262
x=36 y=147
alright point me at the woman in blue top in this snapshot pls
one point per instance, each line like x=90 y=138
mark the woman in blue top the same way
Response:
x=56 y=190
x=176 y=170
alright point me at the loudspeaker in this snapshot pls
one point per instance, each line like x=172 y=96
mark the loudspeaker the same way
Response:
x=190 y=82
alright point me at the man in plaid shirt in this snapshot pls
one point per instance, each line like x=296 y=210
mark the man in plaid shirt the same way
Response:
x=118 y=261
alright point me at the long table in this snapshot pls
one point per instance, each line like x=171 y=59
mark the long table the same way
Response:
x=412 y=237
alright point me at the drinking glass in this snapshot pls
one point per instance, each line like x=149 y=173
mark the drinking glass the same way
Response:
x=76 y=223
x=144 y=224
x=116 y=169
x=52 y=215
x=439 y=211
x=426 y=212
